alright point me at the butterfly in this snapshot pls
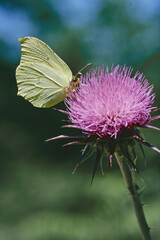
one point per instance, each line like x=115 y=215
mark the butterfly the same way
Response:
x=43 y=78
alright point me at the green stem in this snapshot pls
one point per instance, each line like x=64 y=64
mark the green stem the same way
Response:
x=136 y=203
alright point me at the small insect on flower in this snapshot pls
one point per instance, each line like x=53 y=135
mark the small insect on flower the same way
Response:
x=43 y=78
x=108 y=109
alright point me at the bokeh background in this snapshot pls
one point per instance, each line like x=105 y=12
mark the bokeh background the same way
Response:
x=39 y=197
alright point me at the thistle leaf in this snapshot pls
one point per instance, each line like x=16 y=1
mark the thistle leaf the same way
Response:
x=65 y=136
x=152 y=127
x=142 y=152
x=155 y=117
x=98 y=158
x=86 y=154
x=60 y=110
x=127 y=156
x=142 y=141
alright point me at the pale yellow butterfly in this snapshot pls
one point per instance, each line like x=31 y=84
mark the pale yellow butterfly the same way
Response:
x=43 y=78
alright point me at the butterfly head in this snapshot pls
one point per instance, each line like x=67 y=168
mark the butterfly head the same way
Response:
x=76 y=78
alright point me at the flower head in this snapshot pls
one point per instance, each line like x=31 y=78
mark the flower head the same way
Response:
x=108 y=102
x=108 y=108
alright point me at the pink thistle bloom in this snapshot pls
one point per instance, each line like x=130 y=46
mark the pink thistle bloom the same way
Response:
x=108 y=102
x=108 y=108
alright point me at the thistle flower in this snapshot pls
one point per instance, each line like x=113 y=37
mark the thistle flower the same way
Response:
x=109 y=102
x=108 y=108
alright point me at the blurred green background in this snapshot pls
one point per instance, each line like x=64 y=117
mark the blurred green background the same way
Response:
x=39 y=197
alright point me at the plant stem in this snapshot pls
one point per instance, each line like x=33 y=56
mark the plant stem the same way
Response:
x=136 y=203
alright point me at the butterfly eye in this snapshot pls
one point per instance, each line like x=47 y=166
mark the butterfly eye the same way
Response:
x=77 y=76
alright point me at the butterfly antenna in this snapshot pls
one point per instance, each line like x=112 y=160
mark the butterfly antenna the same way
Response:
x=89 y=64
x=79 y=72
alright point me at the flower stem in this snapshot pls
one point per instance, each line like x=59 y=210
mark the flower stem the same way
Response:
x=136 y=203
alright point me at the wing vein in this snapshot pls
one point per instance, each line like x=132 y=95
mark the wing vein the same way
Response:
x=43 y=74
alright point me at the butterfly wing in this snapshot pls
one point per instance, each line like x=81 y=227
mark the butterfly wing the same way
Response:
x=42 y=76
